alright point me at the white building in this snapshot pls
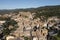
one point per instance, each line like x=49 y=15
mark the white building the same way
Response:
x=10 y=38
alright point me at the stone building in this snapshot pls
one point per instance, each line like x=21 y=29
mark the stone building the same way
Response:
x=29 y=27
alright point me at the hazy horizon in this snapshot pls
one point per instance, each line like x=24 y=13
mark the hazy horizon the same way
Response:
x=16 y=4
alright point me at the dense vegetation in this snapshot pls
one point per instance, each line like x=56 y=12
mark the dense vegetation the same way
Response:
x=7 y=29
x=57 y=37
x=48 y=11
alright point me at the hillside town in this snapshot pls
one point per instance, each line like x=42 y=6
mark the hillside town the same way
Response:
x=30 y=28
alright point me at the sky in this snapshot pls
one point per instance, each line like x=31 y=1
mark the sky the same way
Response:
x=13 y=4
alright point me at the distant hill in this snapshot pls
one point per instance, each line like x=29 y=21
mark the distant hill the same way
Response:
x=46 y=8
x=46 y=11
